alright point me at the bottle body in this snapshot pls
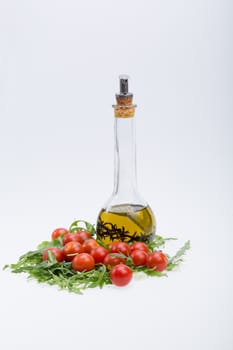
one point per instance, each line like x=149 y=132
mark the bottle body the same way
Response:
x=126 y=216
x=126 y=222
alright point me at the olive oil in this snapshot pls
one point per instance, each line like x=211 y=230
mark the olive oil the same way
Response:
x=127 y=223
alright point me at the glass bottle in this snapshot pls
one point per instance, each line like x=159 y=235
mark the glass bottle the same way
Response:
x=126 y=216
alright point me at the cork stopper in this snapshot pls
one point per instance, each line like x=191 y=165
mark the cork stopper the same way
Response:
x=124 y=107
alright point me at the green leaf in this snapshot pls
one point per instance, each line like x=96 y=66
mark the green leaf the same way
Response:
x=44 y=245
x=177 y=258
x=51 y=257
x=75 y=226
x=56 y=243
x=118 y=255
x=149 y=272
x=159 y=241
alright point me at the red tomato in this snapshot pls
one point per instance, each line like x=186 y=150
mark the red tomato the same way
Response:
x=110 y=260
x=72 y=248
x=112 y=246
x=71 y=237
x=139 y=246
x=157 y=261
x=83 y=236
x=139 y=257
x=121 y=275
x=120 y=247
x=58 y=253
x=90 y=244
x=58 y=232
x=99 y=254
x=83 y=262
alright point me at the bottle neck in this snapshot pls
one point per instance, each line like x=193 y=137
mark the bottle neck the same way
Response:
x=125 y=181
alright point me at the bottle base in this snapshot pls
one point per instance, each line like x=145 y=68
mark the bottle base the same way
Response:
x=126 y=223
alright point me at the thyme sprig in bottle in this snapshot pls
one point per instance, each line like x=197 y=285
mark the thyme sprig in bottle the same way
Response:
x=126 y=216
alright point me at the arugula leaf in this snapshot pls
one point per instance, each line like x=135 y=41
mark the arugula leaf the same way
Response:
x=55 y=243
x=148 y=271
x=158 y=242
x=75 y=226
x=178 y=257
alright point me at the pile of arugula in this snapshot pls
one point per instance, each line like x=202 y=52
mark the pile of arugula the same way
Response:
x=62 y=275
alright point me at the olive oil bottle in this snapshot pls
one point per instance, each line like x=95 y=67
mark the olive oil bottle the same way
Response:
x=126 y=216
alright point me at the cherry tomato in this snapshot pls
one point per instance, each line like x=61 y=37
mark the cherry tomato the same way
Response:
x=90 y=244
x=58 y=253
x=157 y=261
x=83 y=236
x=139 y=246
x=139 y=257
x=112 y=246
x=120 y=247
x=83 y=262
x=58 y=232
x=110 y=260
x=99 y=254
x=72 y=248
x=71 y=237
x=121 y=275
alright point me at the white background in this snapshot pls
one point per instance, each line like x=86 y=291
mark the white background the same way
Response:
x=59 y=66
